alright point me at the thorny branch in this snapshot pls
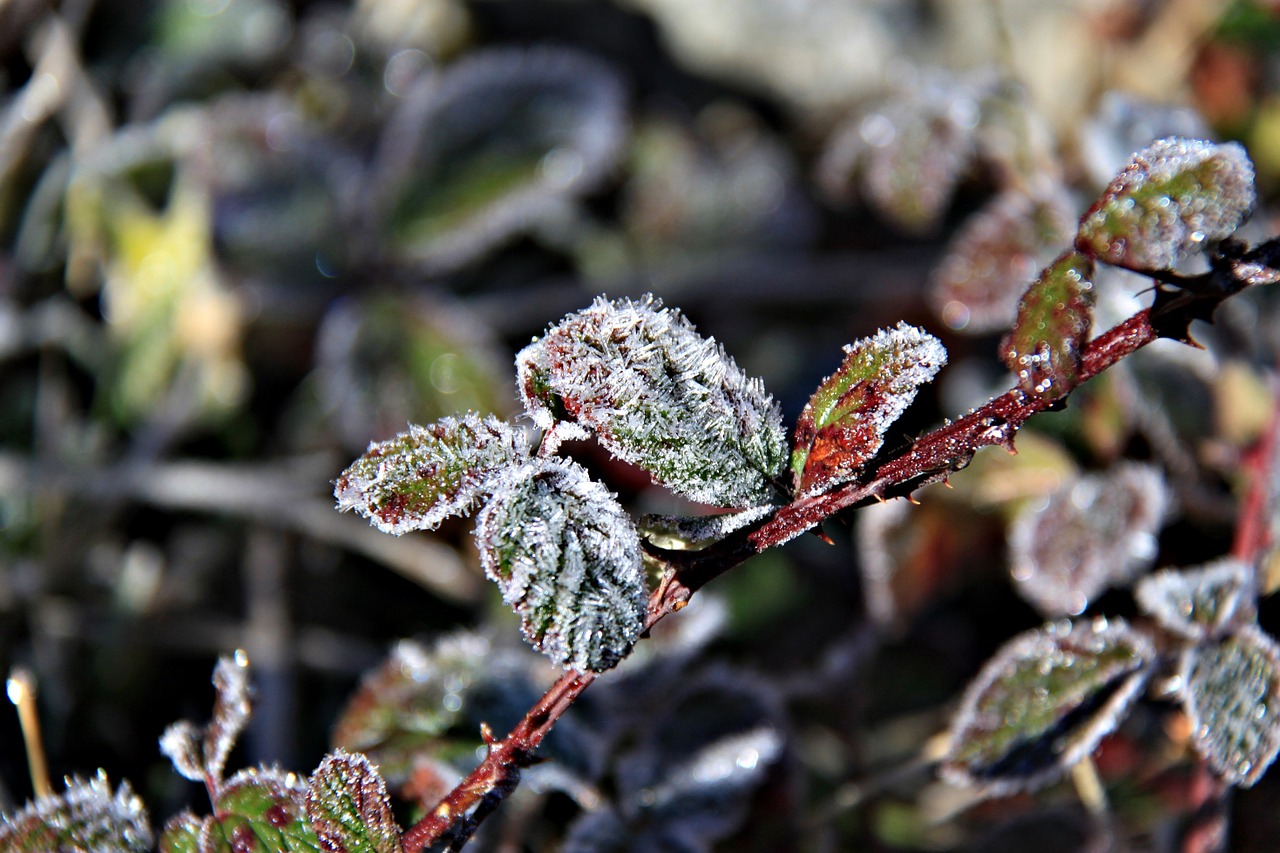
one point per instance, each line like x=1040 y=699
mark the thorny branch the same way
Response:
x=929 y=458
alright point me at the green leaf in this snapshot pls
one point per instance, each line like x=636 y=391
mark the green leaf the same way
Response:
x=567 y=558
x=1175 y=197
x=1231 y=693
x=349 y=808
x=263 y=810
x=421 y=477
x=1200 y=603
x=182 y=833
x=87 y=817
x=656 y=394
x=1043 y=702
x=1054 y=319
x=844 y=423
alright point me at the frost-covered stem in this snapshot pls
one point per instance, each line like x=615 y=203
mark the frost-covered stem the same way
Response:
x=500 y=770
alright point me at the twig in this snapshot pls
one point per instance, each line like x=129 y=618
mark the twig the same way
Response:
x=930 y=457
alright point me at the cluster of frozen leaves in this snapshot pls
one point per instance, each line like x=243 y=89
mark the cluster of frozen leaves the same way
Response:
x=87 y=816
x=1047 y=698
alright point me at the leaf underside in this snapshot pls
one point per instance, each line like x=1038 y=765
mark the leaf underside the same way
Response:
x=1232 y=698
x=1043 y=702
x=843 y=424
x=567 y=558
x=1054 y=319
x=1175 y=197
x=657 y=394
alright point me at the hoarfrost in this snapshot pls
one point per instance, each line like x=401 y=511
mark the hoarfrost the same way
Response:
x=427 y=474
x=1200 y=603
x=567 y=558
x=87 y=816
x=656 y=394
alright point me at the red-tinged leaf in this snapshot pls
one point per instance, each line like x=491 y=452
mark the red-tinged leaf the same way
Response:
x=1088 y=534
x=1231 y=693
x=1054 y=319
x=1043 y=703
x=1175 y=197
x=349 y=808
x=421 y=477
x=844 y=423
x=263 y=810
x=87 y=817
x=1200 y=603
x=995 y=256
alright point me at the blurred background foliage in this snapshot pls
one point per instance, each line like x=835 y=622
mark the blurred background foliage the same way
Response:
x=243 y=238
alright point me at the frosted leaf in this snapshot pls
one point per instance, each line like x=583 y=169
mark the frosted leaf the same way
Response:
x=1200 y=603
x=262 y=810
x=421 y=477
x=1054 y=319
x=995 y=255
x=1231 y=695
x=1043 y=702
x=87 y=817
x=349 y=808
x=844 y=423
x=657 y=394
x=693 y=533
x=1175 y=197
x=731 y=765
x=405 y=706
x=182 y=833
x=1090 y=533
x=567 y=558
x=490 y=146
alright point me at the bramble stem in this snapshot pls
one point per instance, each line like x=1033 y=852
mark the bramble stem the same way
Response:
x=931 y=457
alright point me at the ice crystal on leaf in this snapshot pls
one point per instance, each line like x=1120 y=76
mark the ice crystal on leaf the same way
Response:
x=1175 y=197
x=1054 y=319
x=349 y=808
x=1043 y=702
x=1200 y=603
x=844 y=423
x=567 y=558
x=88 y=817
x=421 y=477
x=656 y=394
x=1231 y=693
x=1088 y=534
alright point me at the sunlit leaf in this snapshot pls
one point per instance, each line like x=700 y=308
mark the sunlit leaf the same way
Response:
x=693 y=533
x=1043 y=702
x=262 y=810
x=1091 y=532
x=421 y=477
x=87 y=817
x=1231 y=693
x=1200 y=603
x=567 y=558
x=844 y=423
x=995 y=255
x=659 y=395
x=1054 y=319
x=348 y=806
x=1175 y=197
